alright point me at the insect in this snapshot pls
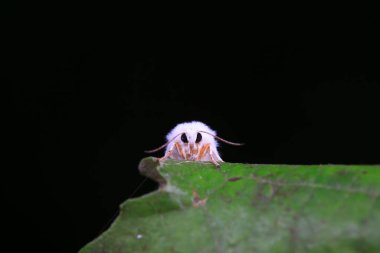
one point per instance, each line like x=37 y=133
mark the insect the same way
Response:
x=193 y=141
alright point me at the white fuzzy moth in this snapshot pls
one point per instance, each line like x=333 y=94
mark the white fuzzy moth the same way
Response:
x=193 y=141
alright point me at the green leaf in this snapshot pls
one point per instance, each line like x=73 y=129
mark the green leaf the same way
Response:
x=249 y=208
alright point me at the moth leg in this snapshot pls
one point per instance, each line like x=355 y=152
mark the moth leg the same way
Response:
x=213 y=158
x=167 y=154
x=180 y=150
x=202 y=151
x=193 y=152
x=207 y=150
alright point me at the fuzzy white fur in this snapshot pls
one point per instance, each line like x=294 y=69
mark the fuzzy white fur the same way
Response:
x=191 y=129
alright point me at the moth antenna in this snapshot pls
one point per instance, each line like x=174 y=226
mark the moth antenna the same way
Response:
x=223 y=140
x=161 y=147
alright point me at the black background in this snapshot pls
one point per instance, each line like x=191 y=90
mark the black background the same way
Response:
x=87 y=99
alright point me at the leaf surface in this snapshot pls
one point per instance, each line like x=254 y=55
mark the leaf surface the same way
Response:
x=249 y=208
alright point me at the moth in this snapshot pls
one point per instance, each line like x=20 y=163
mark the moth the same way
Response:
x=193 y=141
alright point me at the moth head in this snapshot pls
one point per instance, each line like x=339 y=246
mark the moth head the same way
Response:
x=194 y=137
x=191 y=138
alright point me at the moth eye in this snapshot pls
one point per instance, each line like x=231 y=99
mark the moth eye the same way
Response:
x=199 y=138
x=184 y=138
